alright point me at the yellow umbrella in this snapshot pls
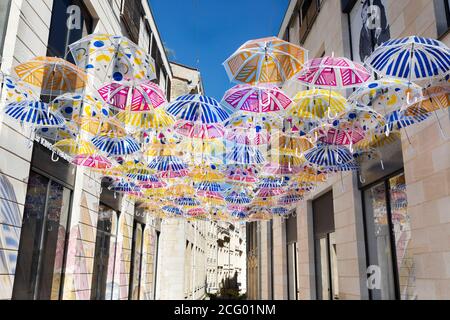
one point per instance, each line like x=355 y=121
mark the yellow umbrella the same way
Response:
x=309 y=175
x=74 y=147
x=434 y=98
x=204 y=174
x=135 y=121
x=317 y=104
x=377 y=140
x=52 y=75
x=290 y=145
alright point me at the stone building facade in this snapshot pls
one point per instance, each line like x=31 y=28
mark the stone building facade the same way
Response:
x=383 y=234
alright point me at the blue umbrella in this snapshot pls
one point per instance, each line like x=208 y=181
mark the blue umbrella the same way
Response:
x=211 y=186
x=238 y=214
x=124 y=187
x=187 y=202
x=272 y=183
x=116 y=146
x=243 y=154
x=399 y=120
x=324 y=155
x=171 y=166
x=414 y=58
x=197 y=108
x=280 y=211
x=238 y=198
x=290 y=199
x=173 y=210
x=34 y=113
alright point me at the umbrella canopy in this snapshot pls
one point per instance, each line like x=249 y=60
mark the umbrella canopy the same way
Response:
x=280 y=211
x=14 y=90
x=333 y=73
x=35 y=114
x=343 y=135
x=243 y=154
x=52 y=76
x=317 y=104
x=187 y=202
x=124 y=187
x=198 y=109
x=151 y=182
x=290 y=199
x=172 y=210
x=115 y=145
x=76 y=106
x=73 y=147
x=268 y=60
x=92 y=162
x=170 y=167
x=199 y=130
x=242 y=174
x=211 y=186
x=262 y=99
x=434 y=98
x=144 y=96
x=113 y=58
x=239 y=198
x=142 y=121
x=411 y=58
x=324 y=155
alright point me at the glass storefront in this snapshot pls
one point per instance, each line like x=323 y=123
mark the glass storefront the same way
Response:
x=40 y=263
x=388 y=235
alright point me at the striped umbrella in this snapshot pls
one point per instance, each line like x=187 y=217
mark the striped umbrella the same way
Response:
x=309 y=175
x=173 y=210
x=67 y=131
x=238 y=198
x=187 y=202
x=280 y=211
x=243 y=154
x=92 y=162
x=36 y=114
x=74 y=147
x=290 y=145
x=198 y=109
x=210 y=174
x=211 y=198
x=115 y=145
x=141 y=121
x=333 y=73
x=434 y=98
x=411 y=58
x=170 y=167
x=398 y=120
x=342 y=135
x=317 y=104
x=281 y=169
x=272 y=183
x=142 y=96
x=152 y=182
x=268 y=60
x=196 y=212
x=211 y=186
x=324 y=155
x=259 y=100
x=124 y=187
x=52 y=75
x=290 y=199
x=199 y=130
x=238 y=215
x=270 y=192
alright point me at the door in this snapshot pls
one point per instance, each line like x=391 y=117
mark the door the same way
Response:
x=327 y=276
x=43 y=240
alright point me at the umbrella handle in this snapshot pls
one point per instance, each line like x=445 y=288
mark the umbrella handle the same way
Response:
x=55 y=157
x=362 y=179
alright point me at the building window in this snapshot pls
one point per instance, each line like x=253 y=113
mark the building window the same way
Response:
x=442 y=10
x=65 y=30
x=327 y=281
x=43 y=240
x=132 y=13
x=136 y=261
x=103 y=285
x=308 y=12
x=388 y=235
x=5 y=5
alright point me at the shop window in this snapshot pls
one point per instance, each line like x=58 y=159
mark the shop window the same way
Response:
x=442 y=10
x=388 y=235
x=104 y=286
x=136 y=261
x=327 y=281
x=43 y=240
x=70 y=22
x=5 y=5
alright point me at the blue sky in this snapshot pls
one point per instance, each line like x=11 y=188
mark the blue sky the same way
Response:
x=204 y=33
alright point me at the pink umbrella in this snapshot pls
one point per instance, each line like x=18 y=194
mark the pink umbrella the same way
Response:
x=333 y=73
x=339 y=136
x=145 y=96
x=199 y=130
x=280 y=169
x=93 y=162
x=256 y=99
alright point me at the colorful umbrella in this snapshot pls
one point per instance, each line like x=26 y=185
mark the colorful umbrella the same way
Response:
x=242 y=174
x=170 y=167
x=434 y=98
x=152 y=182
x=115 y=145
x=260 y=100
x=290 y=199
x=124 y=187
x=115 y=57
x=92 y=162
x=411 y=58
x=173 y=210
x=239 y=198
x=138 y=121
x=13 y=90
x=242 y=154
x=52 y=75
x=268 y=60
x=211 y=186
x=344 y=135
x=35 y=114
x=199 y=130
x=280 y=211
x=73 y=147
x=187 y=202
x=324 y=155
x=75 y=107
x=144 y=96
x=317 y=104
x=333 y=73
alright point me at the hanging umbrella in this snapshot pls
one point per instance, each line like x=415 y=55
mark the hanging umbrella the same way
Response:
x=317 y=104
x=240 y=215
x=14 y=90
x=342 y=134
x=180 y=190
x=196 y=212
x=282 y=169
x=152 y=182
x=211 y=198
x=309 y=175
x=333 y=73
x=52 y=75
x=142 y=121
x=268 y=60
x=324 y=155
x=280 y=211
x=92 y=162
x=245 y=122
x=143 y=96
x=113 y=58
x=242 y=154
x=398 y=120
x=241 y=174
x=173 y=210
x=75 y=147
x=290 y=145
x=411 y=58
x=75 y=106
x=207 y=174
x=377 y=140
x=239 y=198
x=124 y=187
x=201 y=131
x=211 y=186
x=35 y=114
x=270 y=192
x=365 y=118
x=169 y=167
x=115 y=145
x=290 y=199
x=187 y=202
x=434 y=98
x=67 y=131
x=272 y=183
x=256 y=100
